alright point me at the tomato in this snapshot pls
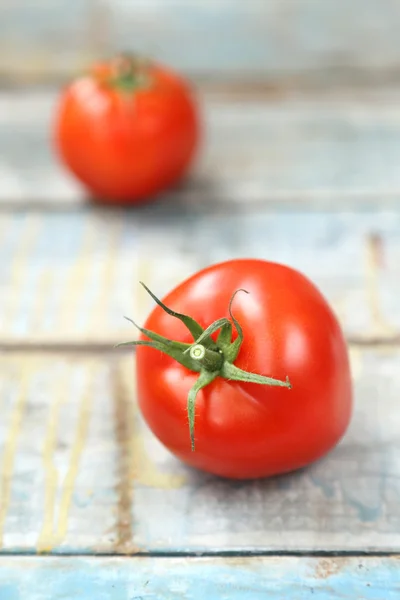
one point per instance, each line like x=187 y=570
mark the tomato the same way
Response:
x=245 y=428
x=128 y=130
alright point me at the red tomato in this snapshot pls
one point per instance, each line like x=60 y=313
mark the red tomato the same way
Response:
x=247 y=430
x=128 y=130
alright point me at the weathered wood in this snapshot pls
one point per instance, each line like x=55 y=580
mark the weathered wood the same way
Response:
x=81 y=473
x=68 y=278
x=199 y=578
x=57 y=455
x=329 y=150
x=274 y=40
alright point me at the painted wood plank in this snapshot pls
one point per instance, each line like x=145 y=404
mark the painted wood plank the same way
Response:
x=200 y=578
x=347 y=501
x=329 y=149
x=264 y=39
x=58 y=469
x=36 y=38
x=70 y=277
x=268 y=39
x=81 y=473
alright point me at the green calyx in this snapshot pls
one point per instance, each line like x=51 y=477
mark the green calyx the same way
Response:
x=129 y=73
x=204 y=356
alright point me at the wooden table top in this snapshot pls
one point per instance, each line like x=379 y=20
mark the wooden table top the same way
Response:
x=310 y=181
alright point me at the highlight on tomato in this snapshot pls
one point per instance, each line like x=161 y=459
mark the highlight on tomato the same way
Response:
x=243 y=370
x=128 y=130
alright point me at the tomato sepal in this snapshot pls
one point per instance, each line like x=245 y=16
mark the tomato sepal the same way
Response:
x=194 y=328
x=158 y=338
x=230 y=371
x=128 y=73
x=225 y=336
x=204 y=379
x=168 y=349
x=208 y=358
x=205 y=336
x=232 y=350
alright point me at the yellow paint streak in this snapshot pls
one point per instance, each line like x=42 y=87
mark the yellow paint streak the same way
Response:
x=356 y=362
x=43 y=288
x=77 y=280
x=374 y=262
x=340 y=309
x=76 y=452
x=46 y=537
x=142 y=469
x=100 y=313
x=11 y=441
x=19 y=265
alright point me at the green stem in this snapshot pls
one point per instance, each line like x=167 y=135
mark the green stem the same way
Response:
x=209 y=358
x=129 y=73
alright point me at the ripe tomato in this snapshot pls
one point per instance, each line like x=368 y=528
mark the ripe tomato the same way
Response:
x=246 y=429
x=128 y=130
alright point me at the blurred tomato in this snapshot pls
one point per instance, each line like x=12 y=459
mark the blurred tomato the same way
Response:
x=128 y=130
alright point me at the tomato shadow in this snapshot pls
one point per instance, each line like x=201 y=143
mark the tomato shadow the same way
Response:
x=283 y=481
x=191 y=196
x=231 y=514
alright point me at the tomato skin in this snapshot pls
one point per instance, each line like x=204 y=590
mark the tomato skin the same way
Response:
x=246 y=430
x=127 y=146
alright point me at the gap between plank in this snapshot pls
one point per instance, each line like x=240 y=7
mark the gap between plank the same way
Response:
x=212 y=554
x=392 y=342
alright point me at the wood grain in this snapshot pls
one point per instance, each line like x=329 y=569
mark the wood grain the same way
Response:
x=62 y=459
x=82 y=473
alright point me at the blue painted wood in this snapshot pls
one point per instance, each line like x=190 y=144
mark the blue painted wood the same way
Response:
x=324 y=150
x=69 y=277
x=197 y=579
x=271 y=39
x=36 y=37
x=349 y=500
x=81 y=473
x=58 y=454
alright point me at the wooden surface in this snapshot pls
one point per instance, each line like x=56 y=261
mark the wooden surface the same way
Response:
x=294 y=149
x=217 y=579
x=69 y=277
x=80 y=474
x=278 y=41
